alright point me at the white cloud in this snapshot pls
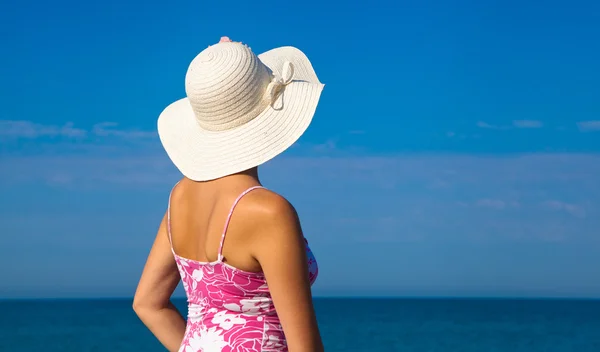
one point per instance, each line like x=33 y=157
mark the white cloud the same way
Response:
x=21 y=129
x=403 y=197
x=573 y=209
x=14 y=129
x=328 y=146
x=491 y=203
x=107 y=129
x=589 y=126
x=482 y=124
x=137 y=171
x=528 y=124
x=515 y=124
x=432 y=172
x=496 y=204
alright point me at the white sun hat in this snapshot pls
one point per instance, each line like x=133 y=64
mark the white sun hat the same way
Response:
x=241 y=109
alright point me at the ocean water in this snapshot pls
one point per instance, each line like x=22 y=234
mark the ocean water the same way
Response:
x=408 y=325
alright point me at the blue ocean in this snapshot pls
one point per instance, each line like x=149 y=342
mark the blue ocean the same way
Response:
x=408 y=325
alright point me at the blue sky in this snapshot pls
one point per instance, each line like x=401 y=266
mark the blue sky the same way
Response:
x=456 y=149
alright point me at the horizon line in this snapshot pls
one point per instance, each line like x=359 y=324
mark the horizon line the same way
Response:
x=325 y=297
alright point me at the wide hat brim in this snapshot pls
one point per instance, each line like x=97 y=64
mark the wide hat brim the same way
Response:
x=203 y=155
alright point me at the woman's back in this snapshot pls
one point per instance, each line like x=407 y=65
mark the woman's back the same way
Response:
x=230 y=307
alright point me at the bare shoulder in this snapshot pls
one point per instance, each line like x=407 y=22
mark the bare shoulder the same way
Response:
x=267 y=204
x=177 y=192
x=271 y=214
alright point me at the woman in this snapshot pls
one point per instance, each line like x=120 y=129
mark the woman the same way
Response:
x=237 y=247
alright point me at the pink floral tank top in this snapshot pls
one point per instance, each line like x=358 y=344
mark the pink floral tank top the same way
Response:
x=229 y=310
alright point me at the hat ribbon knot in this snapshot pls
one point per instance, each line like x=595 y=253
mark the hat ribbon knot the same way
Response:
x=277 y=85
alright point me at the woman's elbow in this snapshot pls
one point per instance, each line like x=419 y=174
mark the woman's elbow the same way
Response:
x=150 y=303
x=137 y=305
x=142 y=306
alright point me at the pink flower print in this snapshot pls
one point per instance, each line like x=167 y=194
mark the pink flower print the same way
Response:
x=183 y=262
x=250 y=306
x=227 y=321
x=214 y=292
x=273 y=341
x=196 y=277
x=196 y=311
x=197 y=274
x=233 y=307
x=255 y=305
x=207 y=340
x=250 y=346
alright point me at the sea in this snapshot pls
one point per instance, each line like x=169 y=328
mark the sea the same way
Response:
x=349 y=325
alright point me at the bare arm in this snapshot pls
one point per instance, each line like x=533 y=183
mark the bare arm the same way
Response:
x=280 y=249
x=152 y=297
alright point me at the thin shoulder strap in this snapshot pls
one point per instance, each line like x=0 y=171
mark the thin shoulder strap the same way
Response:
x=169 y=216
x=229 y=218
